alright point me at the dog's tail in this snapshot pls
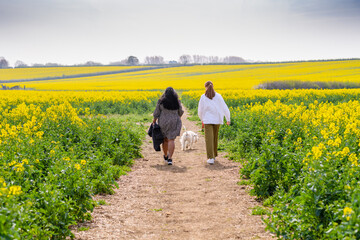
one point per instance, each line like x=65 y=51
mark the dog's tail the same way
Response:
x=184 y=128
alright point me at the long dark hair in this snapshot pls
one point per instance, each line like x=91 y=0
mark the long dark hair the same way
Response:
x=209 y=92
x=170 y=99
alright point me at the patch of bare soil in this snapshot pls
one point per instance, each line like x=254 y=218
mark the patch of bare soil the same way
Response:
x=189 y=200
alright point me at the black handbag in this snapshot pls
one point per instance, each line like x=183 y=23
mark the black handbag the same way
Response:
x=150 y=130
x=157 y=136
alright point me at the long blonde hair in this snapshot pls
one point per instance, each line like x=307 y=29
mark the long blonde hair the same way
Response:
x=209 y=92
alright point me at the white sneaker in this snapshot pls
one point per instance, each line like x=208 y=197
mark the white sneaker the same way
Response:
x=210 y=161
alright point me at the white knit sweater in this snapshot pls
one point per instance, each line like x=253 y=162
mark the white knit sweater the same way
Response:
x=212 y=111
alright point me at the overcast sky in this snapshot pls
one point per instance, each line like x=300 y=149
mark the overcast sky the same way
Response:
x=76 y=31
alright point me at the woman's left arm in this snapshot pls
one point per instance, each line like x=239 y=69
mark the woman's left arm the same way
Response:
x=226 y=111
x=180 y=111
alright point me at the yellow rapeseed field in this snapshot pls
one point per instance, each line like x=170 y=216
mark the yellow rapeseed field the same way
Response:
x=193 y=77
x=304 y=143
x=8 y=98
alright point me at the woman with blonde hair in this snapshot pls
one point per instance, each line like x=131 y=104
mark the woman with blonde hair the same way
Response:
x=168 y=113
x=211 y=110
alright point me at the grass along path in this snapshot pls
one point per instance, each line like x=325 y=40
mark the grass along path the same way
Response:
x=189 y=200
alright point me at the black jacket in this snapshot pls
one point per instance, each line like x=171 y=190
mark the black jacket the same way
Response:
x=155 y=132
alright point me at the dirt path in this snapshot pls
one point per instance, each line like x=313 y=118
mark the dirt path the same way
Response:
x=189 y=200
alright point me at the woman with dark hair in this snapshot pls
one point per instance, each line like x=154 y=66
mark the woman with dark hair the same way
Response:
x=211 y=110
x=168 y=112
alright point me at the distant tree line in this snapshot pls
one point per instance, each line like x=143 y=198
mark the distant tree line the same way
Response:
x=133 y=60
x=184 y=59
x=3 y=63
x=201 y=59
x=154 y=60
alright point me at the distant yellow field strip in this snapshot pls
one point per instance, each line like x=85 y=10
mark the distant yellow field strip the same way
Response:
x=31 y=73
x=224 y=76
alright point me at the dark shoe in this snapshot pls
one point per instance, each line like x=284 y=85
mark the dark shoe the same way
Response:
x=166 y=158
x=169 y=161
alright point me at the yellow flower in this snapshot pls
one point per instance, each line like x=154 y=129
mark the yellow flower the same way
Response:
x=324 y=134
x=353 y=159
x=83 y=162
x=347 y=211
x=52 y=152
x=25 y=161
x=14 y=190
x=89 y=171
x=98 y=129
x=12 y=163
x=37 y=161
x=77 y=166
x=2 y=181
x=344 y=152
x=337 y=142
x=39 y=134
x=19 y=167
x=347 y=187
x=66 y=159
x=330 y=142
x=316 y=152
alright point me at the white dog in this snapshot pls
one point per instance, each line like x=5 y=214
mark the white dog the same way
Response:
x=188 y=139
